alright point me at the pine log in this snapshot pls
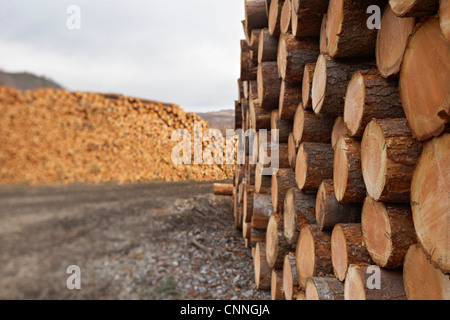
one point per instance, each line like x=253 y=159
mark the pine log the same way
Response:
x=301 y=296
x=269 y=85
x=388 y=232
x=258 y=117
x=347 y=31
x=430 y=200
x=294 y=54
x=248 y=67
x=281 y=183
x=276 y=245
x=285 y=20
x=389 y=156
x=281 y=150
x=323 y=35
x=262 y=182
x=255 y=15
x=348 y=179
x=277 y=290
x=309 y=127
x=239 y=175
x=414 y=8
x=330 y=82
x=292 y=150
x=262 y=209
x=424 y=90
x=421 y=279
x=309 y=15
x=238 y=216
x=358 y=279
x=308 y=76
x=263 y=274
x=256 y=236
x=370 y=96
x=254 y=45
x=392 y=40
x=299 y=209
x=290 y=97
x=290 y=280
x=248 y=203
x=223 y=189
x=314 y=165
x=237 y=115
x=313 y=254
x=347 y=248
x=339 y=130
x=268 y=47
x=284 y=127
x=324 y=289
x=246 y=232
x=444 y=18
x=330 y=212
x=276 y=7
x=267 y=7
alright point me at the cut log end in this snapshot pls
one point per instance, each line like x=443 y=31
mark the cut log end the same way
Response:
x=341 y=169
x=414 y=8
x=354 y=103
x=339 y=253
x=319 y=84
x=339 y=130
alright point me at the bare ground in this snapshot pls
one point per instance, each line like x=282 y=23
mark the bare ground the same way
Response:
x=135 y=241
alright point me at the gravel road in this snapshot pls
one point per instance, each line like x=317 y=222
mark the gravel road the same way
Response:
x=136 y=241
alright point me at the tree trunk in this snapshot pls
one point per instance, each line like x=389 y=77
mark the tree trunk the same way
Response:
x=339 y=130
x=330 y=212
x=358 y=278
x=263 y=274
x=269 y=86
x=276 y=6
x=248 y=203
x=277 y=290
x=299 y=209
x=268 y=47
x=255 y=15
x=294 y=54
x=285 y=20
x=348 y=179
x=258 y=117
x=392 y=40
x=262 y=209
x=323 y=35
x=330 y=82
x=414 y=8
x=276 y=245
x=256 y=236
x=370 y=96
x=290 y=280
x=309 y=15
x=308 y=76
x=309 y=127
x=388 y=232
x=313 y=254
x=284 y=127
x=347 y=31
x=314 y=165
x=424 y=80
x=281 y=183
x=262 y=182
x=248 y=67
x=290 y=97
x=324 y=289
x=347 y=248
x=223 y=189
x=421 y=279
x=430 y=200
x=389 y=156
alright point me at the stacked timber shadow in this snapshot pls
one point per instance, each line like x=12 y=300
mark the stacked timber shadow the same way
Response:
x=364 y=149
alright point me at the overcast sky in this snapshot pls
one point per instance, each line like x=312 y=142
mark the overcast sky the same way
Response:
x=185 y=52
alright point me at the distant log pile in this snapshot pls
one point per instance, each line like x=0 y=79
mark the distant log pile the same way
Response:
x=366 y=191
x=55 y=136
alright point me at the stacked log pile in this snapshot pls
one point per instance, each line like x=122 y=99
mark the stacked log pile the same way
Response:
x=55 y=136
x=363 y=191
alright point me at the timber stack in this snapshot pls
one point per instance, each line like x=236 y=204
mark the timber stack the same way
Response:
x=363 y=181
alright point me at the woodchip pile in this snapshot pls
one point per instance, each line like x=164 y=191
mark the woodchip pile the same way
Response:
x=364 y=114
x=54 y=136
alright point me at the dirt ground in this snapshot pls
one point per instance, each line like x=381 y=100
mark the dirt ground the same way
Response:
x=134 y=241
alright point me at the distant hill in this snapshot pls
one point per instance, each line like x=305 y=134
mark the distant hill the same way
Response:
x=26 y=81
x=221 y=120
